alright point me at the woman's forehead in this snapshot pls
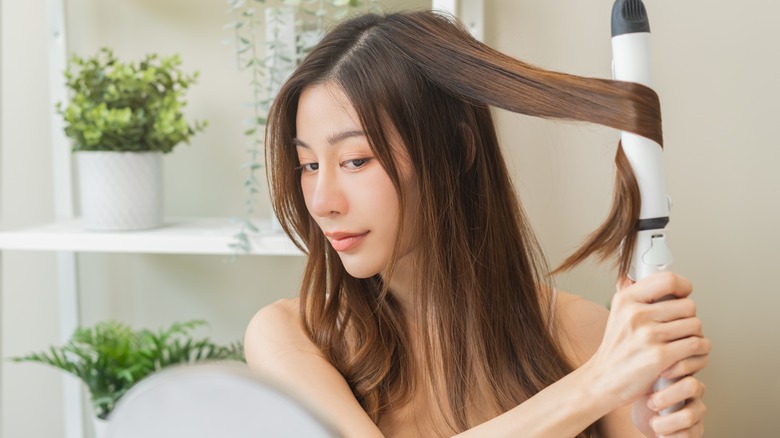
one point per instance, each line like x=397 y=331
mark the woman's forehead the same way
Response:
x=328 y=105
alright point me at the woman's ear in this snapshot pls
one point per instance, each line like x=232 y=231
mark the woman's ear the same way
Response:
x=470 y=147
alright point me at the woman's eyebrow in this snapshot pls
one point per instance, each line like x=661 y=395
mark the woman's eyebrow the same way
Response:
x=333 y=139
x=296 y=142
x=341 y=136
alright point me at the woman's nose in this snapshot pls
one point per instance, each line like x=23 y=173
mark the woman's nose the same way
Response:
x=328 y=197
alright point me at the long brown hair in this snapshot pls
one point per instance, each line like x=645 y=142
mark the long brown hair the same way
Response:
x=481 y=277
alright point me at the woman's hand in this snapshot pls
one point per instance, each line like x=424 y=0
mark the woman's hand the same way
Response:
x=688 y=421
x=644 y=338
x=685 y=423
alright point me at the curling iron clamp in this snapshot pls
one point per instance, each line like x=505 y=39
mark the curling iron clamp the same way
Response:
x=631 y=63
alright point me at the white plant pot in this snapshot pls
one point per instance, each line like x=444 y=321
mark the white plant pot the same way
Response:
x=120 y=190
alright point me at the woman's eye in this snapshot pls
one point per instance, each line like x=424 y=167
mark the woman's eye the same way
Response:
x=309 y=167
x=356 y=163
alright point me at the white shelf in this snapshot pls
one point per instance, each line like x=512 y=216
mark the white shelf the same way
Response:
x=177 y=236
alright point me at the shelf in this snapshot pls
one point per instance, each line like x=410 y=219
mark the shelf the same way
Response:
x=176 y=236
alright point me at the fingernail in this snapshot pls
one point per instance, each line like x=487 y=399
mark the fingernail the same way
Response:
x=653 y=423
x=651 y=404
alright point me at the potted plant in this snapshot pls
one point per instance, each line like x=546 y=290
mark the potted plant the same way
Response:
x=122 y=117
x=111 y=357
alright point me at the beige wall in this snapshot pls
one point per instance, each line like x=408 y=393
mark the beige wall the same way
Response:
x=715 y=68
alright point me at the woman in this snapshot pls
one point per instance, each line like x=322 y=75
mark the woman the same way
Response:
x=425 y=308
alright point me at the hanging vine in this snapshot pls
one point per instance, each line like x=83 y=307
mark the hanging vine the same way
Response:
x=261 y=37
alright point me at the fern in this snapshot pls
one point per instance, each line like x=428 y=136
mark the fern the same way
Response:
x=110 y=358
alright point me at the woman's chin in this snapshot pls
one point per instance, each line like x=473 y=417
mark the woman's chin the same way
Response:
x=358 y=268
x=361 y=273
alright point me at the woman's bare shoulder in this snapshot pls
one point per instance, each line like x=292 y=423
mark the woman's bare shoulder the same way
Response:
x=274 y=331
x=278 y=312
x=580 y=326
x=277 y=346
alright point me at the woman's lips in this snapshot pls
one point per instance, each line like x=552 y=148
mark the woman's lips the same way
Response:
x=345 y=242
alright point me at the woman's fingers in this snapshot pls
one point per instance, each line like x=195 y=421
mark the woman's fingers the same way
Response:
x=678 y=329
x=694 y=432
x=684 y=389
x=682 y=349
x=648 y=334
x=658 y=286
x=683 y=422
x=687 y=367
x=671 y=310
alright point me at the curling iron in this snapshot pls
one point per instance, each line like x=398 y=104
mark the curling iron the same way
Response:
x=631 y=63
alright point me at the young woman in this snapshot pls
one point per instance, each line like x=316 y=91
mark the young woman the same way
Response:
x=426 y=307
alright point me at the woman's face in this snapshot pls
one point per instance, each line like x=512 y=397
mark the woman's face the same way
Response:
x=347 y=191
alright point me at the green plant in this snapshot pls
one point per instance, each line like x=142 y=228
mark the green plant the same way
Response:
x=260 y=50
x=112 y=357
x=131 y=107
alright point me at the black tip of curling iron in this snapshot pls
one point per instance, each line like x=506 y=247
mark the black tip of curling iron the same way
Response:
x=629 y=16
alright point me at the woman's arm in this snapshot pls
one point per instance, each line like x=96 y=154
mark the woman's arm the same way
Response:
x=573 y=403
x=620 y=354
x=641 y=340
x=581 y=329
x=276 y=345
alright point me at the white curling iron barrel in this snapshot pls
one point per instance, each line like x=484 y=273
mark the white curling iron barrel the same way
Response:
x=631 y=63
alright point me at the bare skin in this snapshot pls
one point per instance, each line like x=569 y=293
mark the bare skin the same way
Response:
x=619 y=354
x=277 y=346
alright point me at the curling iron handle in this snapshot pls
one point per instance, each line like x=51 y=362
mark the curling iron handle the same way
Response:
x=651 y=255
